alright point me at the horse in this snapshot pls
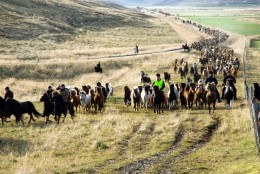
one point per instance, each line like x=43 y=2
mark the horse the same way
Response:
x=99 y=99
x=229 y=96
x=158 y=100
x=145 y=96
x=167 y=77
x=205 y=73
x=16 y=108
x=172 y=96
x=59 y=107
x=2 y=110
x=182 y=73
x=48 y=107
x=175 y=68
x=186 y=47
x=192 y=70
x=85 y=101
x=233 y=70
x=86 y=88
x=256 y=91
x=127 y=97
x=135 y=98
x=181 y=94
x=211 y=96
x=109 y=90
x=189 y=95
x=199 y=95
x=76 y=99
x=92 y=95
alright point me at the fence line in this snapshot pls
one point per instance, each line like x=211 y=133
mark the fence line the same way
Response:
x=253 y=105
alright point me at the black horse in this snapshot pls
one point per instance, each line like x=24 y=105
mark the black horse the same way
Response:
x=186 y=47
x=16 y=108
x=158 y=100
x=256 y=91
x=60 y=107
x=48 y=106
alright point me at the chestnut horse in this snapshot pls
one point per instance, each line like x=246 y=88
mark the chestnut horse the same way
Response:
x=189 y=95
x=98 y=99
x=211 y=96
x=199 y=95
x=76 y=99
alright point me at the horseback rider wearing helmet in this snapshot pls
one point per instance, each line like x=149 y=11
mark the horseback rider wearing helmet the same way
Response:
x=211 y=79
x=231 y=79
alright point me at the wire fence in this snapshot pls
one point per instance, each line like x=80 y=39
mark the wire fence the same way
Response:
x=252 y=103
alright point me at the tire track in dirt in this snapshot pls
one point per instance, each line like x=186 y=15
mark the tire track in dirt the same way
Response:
x=141 y=165
x=201 y=142
x=122 y=148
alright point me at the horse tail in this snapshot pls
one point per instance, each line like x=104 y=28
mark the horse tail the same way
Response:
x=34 y=111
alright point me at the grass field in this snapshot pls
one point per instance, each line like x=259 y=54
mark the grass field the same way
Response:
x=255 y=43
x=119 y=140
x=229 y=23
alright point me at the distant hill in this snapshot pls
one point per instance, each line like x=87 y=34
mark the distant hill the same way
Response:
x=210 y=3
x=59 y=19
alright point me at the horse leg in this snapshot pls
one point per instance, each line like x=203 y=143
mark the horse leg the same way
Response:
x=161 y=108
x=154 y=107
x=209 y=106
x=2 y=120
x=95 y=105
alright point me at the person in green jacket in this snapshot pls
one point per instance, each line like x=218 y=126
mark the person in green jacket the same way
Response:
x=160 y=83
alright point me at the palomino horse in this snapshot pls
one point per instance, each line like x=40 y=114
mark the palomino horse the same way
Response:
x=99 y=99
x=211 y=96
x=127 y=97
x=189 y=95
x=158 y=100
x=199 y=95
x=75 y=98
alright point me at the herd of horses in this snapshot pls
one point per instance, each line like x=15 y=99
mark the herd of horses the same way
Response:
x=213 y=58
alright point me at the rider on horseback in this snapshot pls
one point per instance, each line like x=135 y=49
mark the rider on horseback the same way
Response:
x=160 y=83
x=231 y=79
x=211 y=79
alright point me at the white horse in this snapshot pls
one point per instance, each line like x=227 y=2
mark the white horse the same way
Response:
x=109 y=90
x=85 y=101
x=146 y=96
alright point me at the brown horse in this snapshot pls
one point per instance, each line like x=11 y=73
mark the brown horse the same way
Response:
x=76 y=99
x=234 y=70
x=98 y=99
x=92 y=95
x=175 y=68
x=189 y=95
x=211 y=96
x=199 y=95
x=127 y=98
